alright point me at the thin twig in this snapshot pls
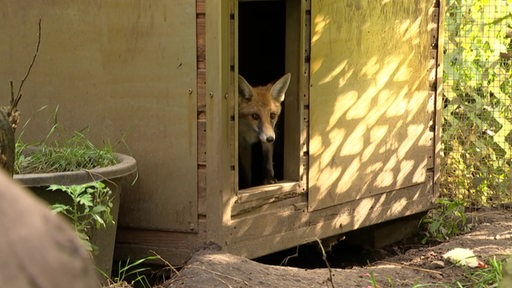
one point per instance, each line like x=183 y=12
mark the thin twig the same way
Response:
x=15 y=101
x=410 y=267
x=285 y=260
x=166 y=262
x=324 y=257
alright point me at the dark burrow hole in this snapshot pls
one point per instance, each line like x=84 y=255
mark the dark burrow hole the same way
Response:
x=344 y=254
x=356 y=248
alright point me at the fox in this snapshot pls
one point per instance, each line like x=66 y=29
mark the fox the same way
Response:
x=258 y=111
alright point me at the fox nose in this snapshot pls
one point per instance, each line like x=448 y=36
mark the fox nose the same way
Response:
x=270 y=139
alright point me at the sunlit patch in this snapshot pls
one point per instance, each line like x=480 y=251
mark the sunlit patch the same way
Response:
x=316 y=145
x=335 y=72
x=411 y=33
x=343 y=103
x=316 y=64
x=416 y=102
x=337 y=135
x=414 y=132
x=404 y=25
x=362 y=210
x=398 y=206
x=349 y=176
x=361 y=108
x=377 y=134
x=371 y=68
x=385 y=179
x=385 y=100
x=404 y=72
x=320 y=23
x=344 y=78
x=369 y=175
x=406 y=167
x=399 y=106
x=421 y=172
x=355 y=142
x=328 y=177
x=329 y=152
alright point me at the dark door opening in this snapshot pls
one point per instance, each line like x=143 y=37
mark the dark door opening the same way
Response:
x=261 y=60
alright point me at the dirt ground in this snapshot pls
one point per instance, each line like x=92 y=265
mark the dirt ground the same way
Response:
x=491 y=235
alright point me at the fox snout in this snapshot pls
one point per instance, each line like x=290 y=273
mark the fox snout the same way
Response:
x=254 y=128
x=267 y=136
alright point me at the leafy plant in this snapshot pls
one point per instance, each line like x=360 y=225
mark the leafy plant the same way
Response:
x=90 y=207
x=477 y=115
x=448 y=219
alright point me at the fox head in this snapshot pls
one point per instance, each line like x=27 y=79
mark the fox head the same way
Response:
x=259 y=109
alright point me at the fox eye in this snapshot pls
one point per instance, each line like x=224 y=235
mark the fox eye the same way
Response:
x=273 y=116
x=255 y=116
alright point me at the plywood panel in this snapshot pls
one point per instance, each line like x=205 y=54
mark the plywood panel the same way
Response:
x=260 y=234
x=369 y=98
x=126 y=69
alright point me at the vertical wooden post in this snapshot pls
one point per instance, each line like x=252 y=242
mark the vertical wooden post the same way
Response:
x=7 y=145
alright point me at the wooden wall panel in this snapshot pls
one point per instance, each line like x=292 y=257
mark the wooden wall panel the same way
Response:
x=369 y=98
x=126 y=69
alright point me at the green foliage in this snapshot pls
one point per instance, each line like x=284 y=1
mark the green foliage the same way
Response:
x=90 y=207
x=486 y=277
x=75 y=154
x=447 y=220
x=131 y=274
x=477 y=128
x=373 y=281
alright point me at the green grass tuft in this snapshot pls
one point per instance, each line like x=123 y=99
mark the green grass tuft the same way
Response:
x=75 y=154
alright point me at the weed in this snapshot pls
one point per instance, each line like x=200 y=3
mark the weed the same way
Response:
x=75 y=154
x=90 y=207
x=130 y=274
x=489 y=276
x=447 y=220
x=390 y=282
x=373 y=281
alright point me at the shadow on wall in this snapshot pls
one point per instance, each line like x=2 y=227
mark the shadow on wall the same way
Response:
x=369 y=99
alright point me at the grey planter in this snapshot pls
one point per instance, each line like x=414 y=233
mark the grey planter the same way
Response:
x=113 y=176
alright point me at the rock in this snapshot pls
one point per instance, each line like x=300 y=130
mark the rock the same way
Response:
x=437 y=264
x=38 y=248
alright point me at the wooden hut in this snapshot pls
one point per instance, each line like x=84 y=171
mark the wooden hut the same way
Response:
x=358 y=140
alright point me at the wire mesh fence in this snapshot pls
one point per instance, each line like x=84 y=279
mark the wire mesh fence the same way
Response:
x=477 y=117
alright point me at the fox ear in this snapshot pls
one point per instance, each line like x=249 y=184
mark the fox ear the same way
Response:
x=279 y=88
x=244 y=89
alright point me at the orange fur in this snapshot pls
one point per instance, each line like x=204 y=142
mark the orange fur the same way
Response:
x=258 y=112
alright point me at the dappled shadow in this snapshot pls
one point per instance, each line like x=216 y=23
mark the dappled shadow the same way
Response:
x=369 y=100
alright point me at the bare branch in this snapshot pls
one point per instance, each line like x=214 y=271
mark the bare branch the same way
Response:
x=15 y=101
